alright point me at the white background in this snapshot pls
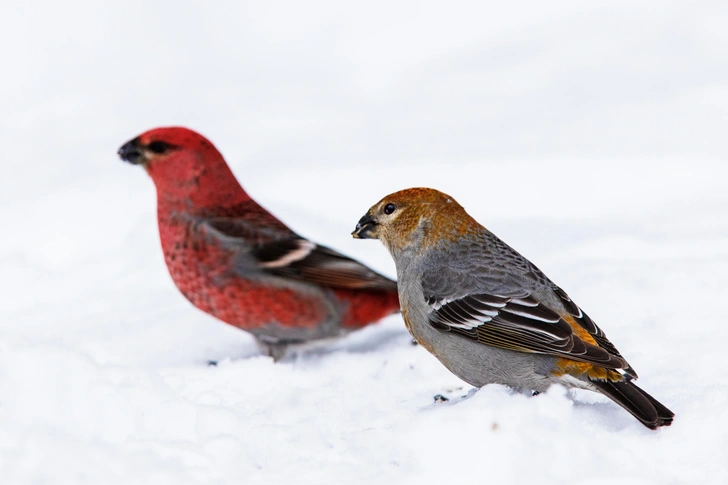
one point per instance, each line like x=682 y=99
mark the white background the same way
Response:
x=591 y=136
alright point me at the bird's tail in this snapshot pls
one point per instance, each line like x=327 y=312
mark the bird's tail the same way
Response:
x=648 y=410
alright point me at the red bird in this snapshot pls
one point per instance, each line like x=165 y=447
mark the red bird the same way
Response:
x=234 y=260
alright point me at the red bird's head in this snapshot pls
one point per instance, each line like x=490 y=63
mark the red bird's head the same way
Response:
x=185 y=167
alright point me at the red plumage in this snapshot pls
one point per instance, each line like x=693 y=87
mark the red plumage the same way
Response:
x=236 y=261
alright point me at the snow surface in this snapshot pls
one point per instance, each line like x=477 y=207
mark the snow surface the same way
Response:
x=588 y=135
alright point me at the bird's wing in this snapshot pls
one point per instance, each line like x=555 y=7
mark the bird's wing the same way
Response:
x=500 y=298
x=517 y=322
x=283 y=253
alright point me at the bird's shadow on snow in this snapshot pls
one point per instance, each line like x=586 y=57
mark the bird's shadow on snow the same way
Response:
x=606 y=415
x=588 y=409
x=601 y=412
x=371 y=339
x=368 y=340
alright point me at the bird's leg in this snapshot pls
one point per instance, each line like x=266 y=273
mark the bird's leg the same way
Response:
x=275 y=350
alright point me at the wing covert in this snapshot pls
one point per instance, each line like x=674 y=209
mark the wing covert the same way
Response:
x=517 y=322
x=284 y=253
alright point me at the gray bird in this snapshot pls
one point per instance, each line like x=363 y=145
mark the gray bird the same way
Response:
x=490 y=315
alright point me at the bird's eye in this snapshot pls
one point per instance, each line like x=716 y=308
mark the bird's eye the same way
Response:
x=158 y=146
x=389 y=208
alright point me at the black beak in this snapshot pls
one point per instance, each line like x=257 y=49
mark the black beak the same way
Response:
x=365 y=228
x=130 y=152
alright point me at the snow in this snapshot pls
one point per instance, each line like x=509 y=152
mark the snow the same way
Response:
x=588 y=135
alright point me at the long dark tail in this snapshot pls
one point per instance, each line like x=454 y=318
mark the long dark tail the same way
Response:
x=641 y=405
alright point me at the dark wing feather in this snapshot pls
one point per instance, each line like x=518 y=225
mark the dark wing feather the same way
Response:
x=327 y=267
x=588 y=324
x=518 y=323
x=283 y=253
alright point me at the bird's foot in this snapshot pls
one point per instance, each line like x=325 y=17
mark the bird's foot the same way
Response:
x=440 y=398
x=455 y=395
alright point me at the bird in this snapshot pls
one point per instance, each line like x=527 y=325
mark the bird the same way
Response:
x=236 y=261
x=490 y=315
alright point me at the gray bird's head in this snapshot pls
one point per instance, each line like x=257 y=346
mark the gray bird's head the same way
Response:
x=415 y=219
